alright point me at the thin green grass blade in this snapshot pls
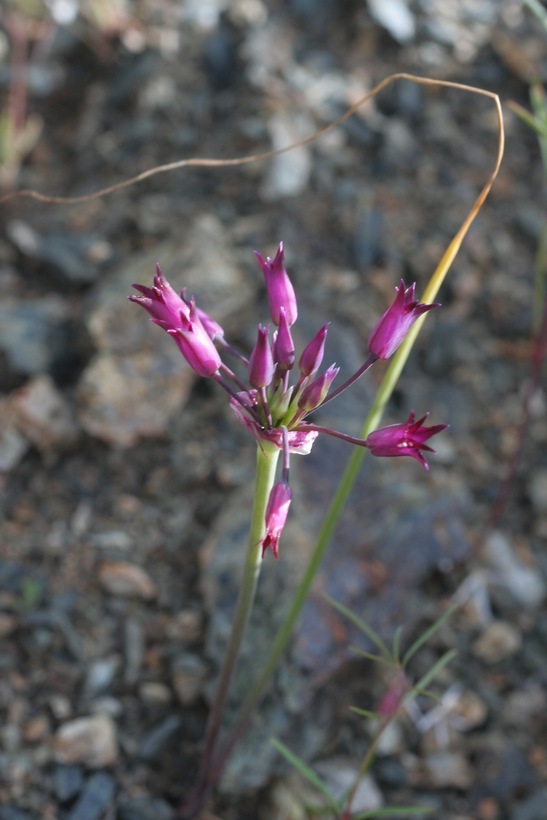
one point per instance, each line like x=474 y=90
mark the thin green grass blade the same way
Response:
x=305 y=771
x=397 y=643
x=372 y=657
x=537 y=9
x=425 y=636
x=424 y=682
x=364 y=713
x=393 y=811
x=533 y=122
x=364 y=627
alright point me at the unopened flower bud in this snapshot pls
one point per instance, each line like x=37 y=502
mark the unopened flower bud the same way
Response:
x=261 y=363
x=284 y=345
x=279 y=287
x=312 y=355
x=317 y=391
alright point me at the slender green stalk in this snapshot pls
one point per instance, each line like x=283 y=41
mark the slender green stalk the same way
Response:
x=266 y=462
x=367 y=763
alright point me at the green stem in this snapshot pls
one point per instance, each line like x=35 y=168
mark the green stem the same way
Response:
x=367 y=763
x=266 y=462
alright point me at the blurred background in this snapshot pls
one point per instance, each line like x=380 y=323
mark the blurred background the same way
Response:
x=125 y=480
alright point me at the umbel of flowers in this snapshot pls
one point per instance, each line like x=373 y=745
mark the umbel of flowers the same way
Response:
x=273 y=409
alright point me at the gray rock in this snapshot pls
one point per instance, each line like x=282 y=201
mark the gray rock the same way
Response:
x=119 y=396
x=13 y=813
x=43 y=415
x=525 y=583
x=156 y=740
x=447 y=770
x=96 y=798
x=531 y=808
x=145 y=808
x=67 y=782
x=339 y=775
x=29 y=334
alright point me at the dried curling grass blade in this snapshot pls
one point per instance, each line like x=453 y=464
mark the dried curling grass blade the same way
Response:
x=201 y=162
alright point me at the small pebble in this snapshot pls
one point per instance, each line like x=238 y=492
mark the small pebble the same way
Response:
x=499 y=641
x=448 y=770
x=154 y=692
x=100 y=675
x=186 y=626
x=36 y=729
x=127 y=580
x=88 y=740
x=189 y=675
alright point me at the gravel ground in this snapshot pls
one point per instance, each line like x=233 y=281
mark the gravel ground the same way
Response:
x=124 y=480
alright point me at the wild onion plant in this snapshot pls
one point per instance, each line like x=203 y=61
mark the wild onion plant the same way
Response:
x=276 y=414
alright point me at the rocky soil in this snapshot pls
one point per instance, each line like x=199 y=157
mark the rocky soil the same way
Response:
x=125 y=480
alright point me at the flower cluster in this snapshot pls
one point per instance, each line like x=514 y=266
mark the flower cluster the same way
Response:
x=273 y=410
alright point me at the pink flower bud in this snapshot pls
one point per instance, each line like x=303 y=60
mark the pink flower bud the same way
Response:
x=312 y=355
x=276 y=515
x=317 y=391
x=278 y=286
x=407 y=439
x=261 y=363
x=283 y=344
x=392 y=328
x=393 y=698
x=195 y=345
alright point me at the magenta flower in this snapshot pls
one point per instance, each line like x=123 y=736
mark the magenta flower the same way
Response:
x=407 y=439
x=195 y=344
x=279 y=287
x=276 y=515
x=162 y=303
x=392 y=328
